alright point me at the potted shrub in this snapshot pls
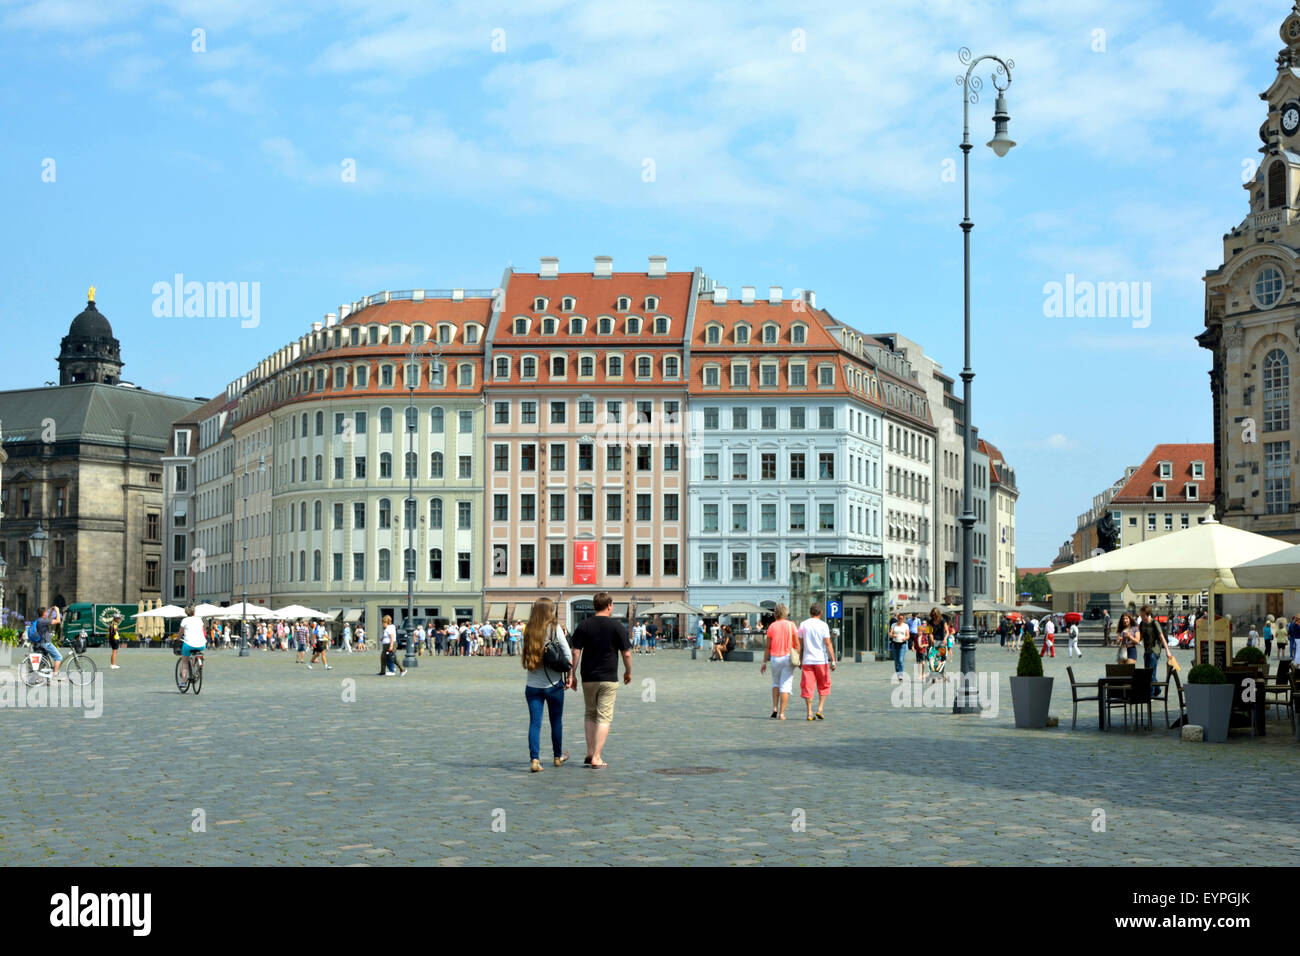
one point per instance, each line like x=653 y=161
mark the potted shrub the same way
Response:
x=1209 y=701
x=1250 y=656
x=1031 y=692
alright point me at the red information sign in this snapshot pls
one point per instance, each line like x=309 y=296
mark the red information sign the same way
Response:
x=584 y=562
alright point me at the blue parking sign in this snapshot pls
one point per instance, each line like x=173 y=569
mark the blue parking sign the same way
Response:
x=834 y=610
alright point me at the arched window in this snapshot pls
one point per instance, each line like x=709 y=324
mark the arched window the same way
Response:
x=435 y=564
x=408 y=510
x=436 y=420
x=435 y=515
x=549 y=326
x=302 y=565
x=302 y=516
x=606 y=326
x=385 y=464
x=1277 y=391
x=412 y=418
x=435 y=465
x=385 y=565
x=567 y=303
x=798 y=334
x=320 y=423
x=661 y=325
x=521 y=326
x=1277 y=185
x=315 y=565
x=713 y=335
x=316 y=515
x=528 y=367
x=320 y=467
x=410 y=466
x=385 y=513
x=385 y=421
x=624 y=303
x=633 y=326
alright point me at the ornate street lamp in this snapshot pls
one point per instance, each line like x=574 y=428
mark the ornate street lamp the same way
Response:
x=967 y=699
x=36 y=548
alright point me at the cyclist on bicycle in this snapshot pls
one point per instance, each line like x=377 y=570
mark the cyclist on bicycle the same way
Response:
x=193 y=640
x=38 y=632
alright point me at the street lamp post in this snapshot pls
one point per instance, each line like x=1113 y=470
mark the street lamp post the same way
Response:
x=36 y=548
x=3 y=569
x=409 y=511
x=967 y=698
x=243 y=611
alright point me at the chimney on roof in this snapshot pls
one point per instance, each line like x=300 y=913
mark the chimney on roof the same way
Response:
x=604 y=267
x=344 y=311
x=747 y=294
x=417 y=295
x=658 y=267
x=550 y=267
x=810 y=297
x=331 y=320
x=719 y=294
x=774 y=294
x=317 y=326
x=457 y=295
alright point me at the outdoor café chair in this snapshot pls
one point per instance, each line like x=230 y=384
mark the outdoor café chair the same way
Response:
x=1139 y=694
x=1075 y=687
x=1116 y=692
x=1278 y=691
x=1174 y=684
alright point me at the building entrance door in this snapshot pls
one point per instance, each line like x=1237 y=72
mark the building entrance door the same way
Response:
x=855 y=632
x=1274 y=604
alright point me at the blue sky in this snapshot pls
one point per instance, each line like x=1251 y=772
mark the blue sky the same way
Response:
x=793 y=145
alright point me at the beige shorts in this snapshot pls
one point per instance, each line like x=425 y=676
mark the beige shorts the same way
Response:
x=599 y=698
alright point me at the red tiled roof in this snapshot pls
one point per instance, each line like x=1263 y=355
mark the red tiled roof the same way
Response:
x=594 y=297
x=1138 y=489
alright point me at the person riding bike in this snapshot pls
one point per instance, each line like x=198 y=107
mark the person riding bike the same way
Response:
x=193 y=640
x=38 y=632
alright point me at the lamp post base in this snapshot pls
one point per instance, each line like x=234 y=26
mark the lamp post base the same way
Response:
x=243 y=650
x=967 y=698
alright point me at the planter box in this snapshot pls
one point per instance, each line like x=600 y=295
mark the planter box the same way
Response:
x=1030 y=699
x=1210 y=706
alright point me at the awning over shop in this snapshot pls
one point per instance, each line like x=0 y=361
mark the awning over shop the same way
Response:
x=620 y=609
x=496 y=611
x=511 y=611
x=352 y=615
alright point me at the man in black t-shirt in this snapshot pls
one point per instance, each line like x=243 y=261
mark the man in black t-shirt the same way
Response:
x=597 y=643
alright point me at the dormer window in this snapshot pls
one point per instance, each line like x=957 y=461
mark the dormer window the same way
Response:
x=1191 y=492
x=624 y=303
x=742 y=335
x=605 y=326
x=651 y=303
x=634 y=326
x=444 y=333
x=528 y=367
x=1198 y=470
x=559 y=365
x=417 y=334
x=1158 y=491
x=521 y=326
x=471 y=334
x=671 y=367
x=713 y=335
x=568 y=303
x=502 y=367
x=644 y=366
x=539 y=304
x=661 y=325
x=769 y=335
x=395 y=334
x=1166 y=470
x=575 y=326
x=798 y=334
x=549 y=326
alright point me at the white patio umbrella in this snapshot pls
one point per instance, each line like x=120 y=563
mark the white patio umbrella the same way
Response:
x=673 y=607
x=740 y=607
x=296 y=612
x=167 y=610
x=1279 y=570
x=207 y=610
x=242 y=610
x=1201 y=558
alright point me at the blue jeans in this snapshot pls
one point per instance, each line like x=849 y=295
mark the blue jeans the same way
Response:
x=51 y=650
x=553 y=698
x=1152 y=661
x=897 y=651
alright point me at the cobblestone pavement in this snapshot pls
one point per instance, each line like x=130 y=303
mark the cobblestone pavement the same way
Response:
x=282 y=767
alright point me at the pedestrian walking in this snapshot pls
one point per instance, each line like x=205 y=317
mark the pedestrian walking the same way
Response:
x=782 y=638
x=1074 y=641
x=320 y=644
x=597 y=644
x=347 y=638
x=548 y=660
x=388 y=650
x=899 y=637
x=1292 y=637
x=300 y=642
x=1153 y=642
x=1049 y=639
x=1105 y=628
x=1127 y=637
x=921 y=638
x=816 y=661
x=114 y=641
x=1253 y=637
x=361 y=638
x=1268 y=637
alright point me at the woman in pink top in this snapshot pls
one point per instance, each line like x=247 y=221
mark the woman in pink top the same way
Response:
x=782 y=635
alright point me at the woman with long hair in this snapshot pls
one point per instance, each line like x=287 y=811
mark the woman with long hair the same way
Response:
x=548 y=677
x=782 y=637
x=1128 y=636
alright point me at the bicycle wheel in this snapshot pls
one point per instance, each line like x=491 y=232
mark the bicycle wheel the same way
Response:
x=182 y=681
x=30 y=675
x=196 y=681
x=81 y=669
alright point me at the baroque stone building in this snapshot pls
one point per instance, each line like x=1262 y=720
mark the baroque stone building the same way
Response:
x=1252 y=329
x=84 y=463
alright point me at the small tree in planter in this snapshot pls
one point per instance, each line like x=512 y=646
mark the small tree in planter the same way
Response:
x=1031 y=692
x=1209 y=701
x=1251 y=657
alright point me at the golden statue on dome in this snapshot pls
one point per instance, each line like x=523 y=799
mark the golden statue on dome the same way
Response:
x=91 y=296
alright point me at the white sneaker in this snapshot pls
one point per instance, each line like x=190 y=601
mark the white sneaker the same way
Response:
x=115 y=667
x=308 y=667
x=328 y=668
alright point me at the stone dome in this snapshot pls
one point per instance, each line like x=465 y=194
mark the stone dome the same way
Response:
x=90 y=324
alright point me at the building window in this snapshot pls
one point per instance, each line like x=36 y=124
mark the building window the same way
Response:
x=1277 y=393
x=798 y=376
x=462 y=566
x=559 y=366
x=464 y=515
x=527 y=560
x=672 y=457
x=825 y=517
x=1151 y=521
x=671 y=508
x=740 y=376
x=465 y=467
x=528 y=367
x=528 y=457
x=152 y=524
x=710 y=419
x=613 y=457
x=614 y=560
x=711 y=376
x=644 y=508
x=435 y=465
x=556 y=563
x=150 y=575
x=826 y=417
x=435 y=564
x=826 y=466
x=739 y=466
x=739 y=566
x=501 y=413
x=385 y=513
x=586 y=507
x=385 y=465
x=1158 y=491
x=557 y=507
x=500 y=507
x=767 y=466
x=1277 y=477
x=586 y=456
x=500 y=457
x=613 y=507
x=1169 y=522
x=643 y=559
x=797 y=470
x=644 y=458
x=767 y=517
x=558 y=412
x=670 y=560
x=767 y=566
x=739 y=517
x=709 y=565
x=528 y=507
x=798 y=418
x=359 y=466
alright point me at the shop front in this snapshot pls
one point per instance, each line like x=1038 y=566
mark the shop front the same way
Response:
x=855 y=584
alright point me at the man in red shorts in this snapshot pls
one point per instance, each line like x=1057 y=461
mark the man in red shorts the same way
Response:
x=817 y=660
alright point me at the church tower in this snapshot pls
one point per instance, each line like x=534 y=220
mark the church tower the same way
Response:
x=89 y=352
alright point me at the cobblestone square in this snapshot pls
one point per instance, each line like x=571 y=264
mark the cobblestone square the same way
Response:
x=281 y=766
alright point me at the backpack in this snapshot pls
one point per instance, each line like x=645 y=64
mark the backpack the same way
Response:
x=553 y=655
x=31 y=633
